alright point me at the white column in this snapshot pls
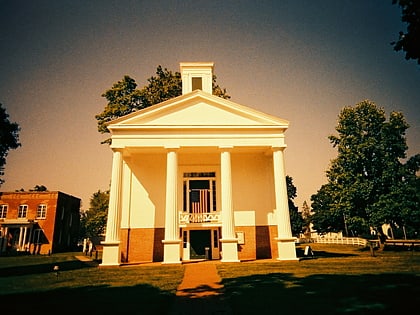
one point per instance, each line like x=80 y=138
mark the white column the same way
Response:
x=228 y=240
x=6 y=238
x=111 y=255
x=20 y=238
x=25 y=234
x=172 y=242
x=285 y=241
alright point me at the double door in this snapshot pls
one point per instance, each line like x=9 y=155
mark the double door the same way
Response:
x=201 y=244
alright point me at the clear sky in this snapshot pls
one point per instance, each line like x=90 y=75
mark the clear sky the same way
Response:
x=299 y=60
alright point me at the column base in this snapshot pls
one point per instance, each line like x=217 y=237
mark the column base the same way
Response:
x=171 y=252
x=286 y=248
x=111 y=255
x=229 y=250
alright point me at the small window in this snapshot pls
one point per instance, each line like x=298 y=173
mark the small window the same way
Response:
x=41 y=212
x=185 y=239
x=197 y=84
x=3 y=211
x=23 y=211
x=215 y=239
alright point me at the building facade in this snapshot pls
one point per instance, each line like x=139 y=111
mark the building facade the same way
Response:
x=197 y=176
x=38 y=222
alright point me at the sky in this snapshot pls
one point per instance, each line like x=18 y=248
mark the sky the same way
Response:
x=300 y=60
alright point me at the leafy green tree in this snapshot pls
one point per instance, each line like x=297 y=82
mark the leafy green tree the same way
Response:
x=307 y=219
x=328 y=213
x=124 y=97
x=9 y=138
x=39 y=188
x=409 y=41
x=368 y=183
x=93 y=221
x=296 y=220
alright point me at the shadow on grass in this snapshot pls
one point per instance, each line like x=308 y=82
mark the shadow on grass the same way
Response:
x=44 y=268
x=139 y=299
x=300 y=252
x=285 y=294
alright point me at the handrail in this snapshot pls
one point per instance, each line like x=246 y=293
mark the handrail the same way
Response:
x=212 y=217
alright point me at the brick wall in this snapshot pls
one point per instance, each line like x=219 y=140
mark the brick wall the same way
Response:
x=142 y=245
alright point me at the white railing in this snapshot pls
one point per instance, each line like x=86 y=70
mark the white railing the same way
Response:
x=208 y=217
x=342 y=240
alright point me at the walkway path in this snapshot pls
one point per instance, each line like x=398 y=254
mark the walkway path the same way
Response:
x=200 y=292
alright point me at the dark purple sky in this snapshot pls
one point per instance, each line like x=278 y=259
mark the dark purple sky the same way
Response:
x=299 y=60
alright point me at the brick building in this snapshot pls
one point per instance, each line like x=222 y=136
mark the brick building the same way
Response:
x=38 y=222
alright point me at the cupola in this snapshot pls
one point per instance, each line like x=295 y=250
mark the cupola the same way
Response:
x=197 y=76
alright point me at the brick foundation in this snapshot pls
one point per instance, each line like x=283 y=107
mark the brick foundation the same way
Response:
x=259 y=242
x=141 y=245
x=145 y=245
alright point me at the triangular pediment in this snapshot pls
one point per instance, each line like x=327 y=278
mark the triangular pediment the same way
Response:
x=198 y=109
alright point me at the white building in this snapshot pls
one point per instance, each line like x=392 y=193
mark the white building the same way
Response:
x=197 y=176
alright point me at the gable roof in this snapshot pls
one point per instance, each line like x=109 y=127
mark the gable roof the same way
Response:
x=197 y=109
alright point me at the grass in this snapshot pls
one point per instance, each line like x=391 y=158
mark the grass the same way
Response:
x=29 y=284
x=339 y=280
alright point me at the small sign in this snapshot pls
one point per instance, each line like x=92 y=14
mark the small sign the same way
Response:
x=241 y=238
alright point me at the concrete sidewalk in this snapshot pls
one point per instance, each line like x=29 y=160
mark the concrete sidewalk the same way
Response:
x=200 y=291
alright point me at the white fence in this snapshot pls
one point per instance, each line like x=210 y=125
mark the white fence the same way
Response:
x=357 y=241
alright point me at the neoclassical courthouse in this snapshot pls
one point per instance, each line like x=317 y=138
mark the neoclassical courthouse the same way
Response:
x=197 y=177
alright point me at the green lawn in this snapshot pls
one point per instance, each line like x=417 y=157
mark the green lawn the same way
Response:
x=339 y=280
x=28 y=284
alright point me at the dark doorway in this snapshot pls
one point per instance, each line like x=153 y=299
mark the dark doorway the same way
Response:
x=199 y=241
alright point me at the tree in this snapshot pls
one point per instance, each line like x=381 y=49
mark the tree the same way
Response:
x=124 y=97
x=9 y=138
x=296 y=220
x=93 y=221
x=409 y=42
x=307 y=219
x=368 y=183
x=39 y=188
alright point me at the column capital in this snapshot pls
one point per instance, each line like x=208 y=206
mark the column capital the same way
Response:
x=170 y=148
x=278 y=148
x=224 y=148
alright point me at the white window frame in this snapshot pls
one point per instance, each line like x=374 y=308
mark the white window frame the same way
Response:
x=211 y=177
x=3 y=211
x=22 y=211
x=41 y=211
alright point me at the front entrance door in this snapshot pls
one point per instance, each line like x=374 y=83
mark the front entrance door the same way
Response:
x=200 y=244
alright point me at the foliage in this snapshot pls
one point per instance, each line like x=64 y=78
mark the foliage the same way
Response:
x=124 y=97
x=39 y=188
x=93 y=221
x=409 y=42
x=368 y=184
x=9 y=137
x=296 y=220
x=306 y=216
